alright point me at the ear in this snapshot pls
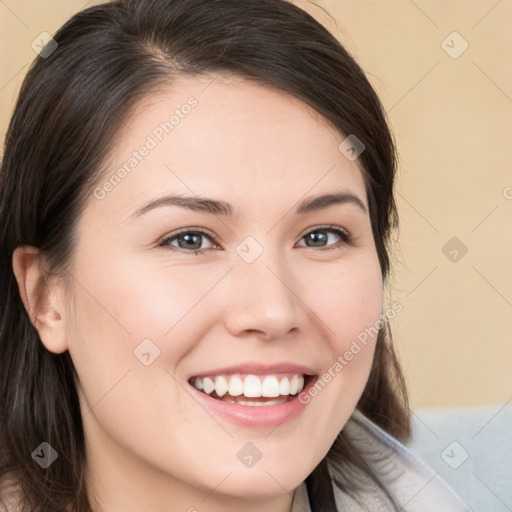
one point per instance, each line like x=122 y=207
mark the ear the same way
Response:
x=44 y=301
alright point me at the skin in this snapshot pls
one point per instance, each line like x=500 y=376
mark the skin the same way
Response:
x=150 y=444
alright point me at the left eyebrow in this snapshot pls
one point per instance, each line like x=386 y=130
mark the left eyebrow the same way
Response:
x=324 y=201
x=216 y=207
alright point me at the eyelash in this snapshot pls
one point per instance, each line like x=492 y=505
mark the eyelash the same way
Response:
x=343 y=234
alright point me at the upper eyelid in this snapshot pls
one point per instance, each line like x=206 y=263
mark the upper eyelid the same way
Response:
x=201 y=231
x=329 y=227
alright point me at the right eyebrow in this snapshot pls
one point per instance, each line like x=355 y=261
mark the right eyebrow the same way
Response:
x=324 y=201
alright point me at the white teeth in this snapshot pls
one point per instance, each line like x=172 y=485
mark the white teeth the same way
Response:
x=221 y=386
x=300 y=384
x=251 y=386
x=236 y=386
x=284 y=386
x=208 y=385
x=294 y=385
x=270 y=387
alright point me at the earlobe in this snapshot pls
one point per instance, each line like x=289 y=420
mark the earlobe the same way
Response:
x=42 y=302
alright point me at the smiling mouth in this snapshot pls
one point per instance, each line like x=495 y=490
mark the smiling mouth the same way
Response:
x=250 y=389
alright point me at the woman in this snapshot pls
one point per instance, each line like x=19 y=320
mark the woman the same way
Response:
x=196 y=199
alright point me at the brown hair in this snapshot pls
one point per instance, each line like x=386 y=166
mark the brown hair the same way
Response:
x=69 y=109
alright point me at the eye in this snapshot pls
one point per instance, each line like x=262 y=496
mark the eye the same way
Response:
x=189 y=242
x=319 y=236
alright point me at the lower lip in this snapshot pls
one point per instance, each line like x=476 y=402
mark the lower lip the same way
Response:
x=255 y=416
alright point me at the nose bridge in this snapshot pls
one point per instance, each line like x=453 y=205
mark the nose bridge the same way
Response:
x=262 y=297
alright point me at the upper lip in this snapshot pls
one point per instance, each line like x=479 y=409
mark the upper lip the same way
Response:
x=259 y=369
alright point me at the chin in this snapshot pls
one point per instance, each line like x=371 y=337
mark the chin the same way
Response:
x=260 y=485
x=263 y=479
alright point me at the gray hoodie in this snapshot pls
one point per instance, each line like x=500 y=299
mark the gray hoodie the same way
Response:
x=414 y=485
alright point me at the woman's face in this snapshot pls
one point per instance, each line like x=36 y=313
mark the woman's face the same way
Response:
x=257 y=302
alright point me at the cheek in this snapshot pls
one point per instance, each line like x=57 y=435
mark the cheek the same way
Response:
x=350 y=308
x=359 y=324
x=121 y=307
x=121 y=314
x=155 y=300
x=350 y=303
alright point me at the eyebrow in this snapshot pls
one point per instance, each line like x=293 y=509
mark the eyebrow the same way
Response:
x=216 y=207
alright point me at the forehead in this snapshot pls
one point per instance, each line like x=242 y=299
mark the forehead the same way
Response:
x=225 y=137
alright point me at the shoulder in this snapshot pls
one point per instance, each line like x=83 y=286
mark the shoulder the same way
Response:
x=415 y=485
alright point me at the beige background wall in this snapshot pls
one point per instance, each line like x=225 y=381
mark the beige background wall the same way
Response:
x=452 y=119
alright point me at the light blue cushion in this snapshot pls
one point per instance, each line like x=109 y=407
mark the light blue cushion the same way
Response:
x=471 y=449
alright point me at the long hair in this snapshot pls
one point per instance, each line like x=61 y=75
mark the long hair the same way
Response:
x=71 y=105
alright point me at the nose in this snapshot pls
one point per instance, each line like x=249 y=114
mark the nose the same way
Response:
x=263 y=299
